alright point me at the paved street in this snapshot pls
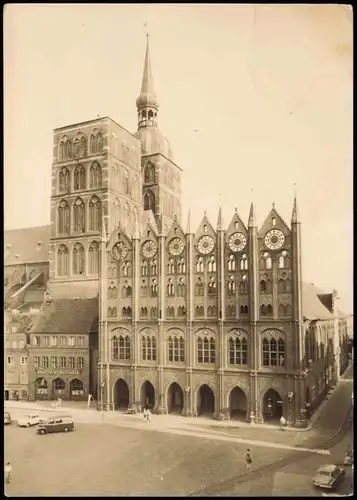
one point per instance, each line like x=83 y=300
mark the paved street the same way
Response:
x=169 y=456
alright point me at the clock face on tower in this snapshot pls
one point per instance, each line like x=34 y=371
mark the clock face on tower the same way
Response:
x=149 y=249
x=120 y=251
x=176 y=246
x=274 y=239
x=205 y=244
x=237 y=242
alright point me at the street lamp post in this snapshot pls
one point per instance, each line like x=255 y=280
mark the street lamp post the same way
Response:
x=102 y=384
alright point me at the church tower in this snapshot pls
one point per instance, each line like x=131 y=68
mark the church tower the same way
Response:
x=161 y=177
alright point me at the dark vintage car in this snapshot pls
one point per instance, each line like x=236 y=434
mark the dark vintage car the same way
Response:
x=7 y=418
x=329 y=476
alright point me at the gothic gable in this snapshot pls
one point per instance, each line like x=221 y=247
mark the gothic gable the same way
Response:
x=236 y=226
x=149 y=224
x=205 y=228
x=118 y=235
x=274 y=221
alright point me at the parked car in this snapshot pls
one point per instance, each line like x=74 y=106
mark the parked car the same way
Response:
x=28 y=420
x=62 y=423
x=7 y=418
x=329 y=476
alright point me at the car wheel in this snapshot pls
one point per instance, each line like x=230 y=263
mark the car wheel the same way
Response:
x=65 y=429
x=42 y=432
x=27 y=425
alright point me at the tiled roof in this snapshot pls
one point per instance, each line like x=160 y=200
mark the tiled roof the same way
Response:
x=30 y=244
x=67 y=316
x=312 y=307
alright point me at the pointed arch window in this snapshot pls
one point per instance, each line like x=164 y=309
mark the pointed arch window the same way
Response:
x=154 y=288
x=148 y=348
x=153 y=312
x=126 y=269
x=112 y=292
x=170 y=267
x=115 y=348
x=170 y=312
x=78 y=259
x=100 y=142
x=211 y=311
x=181 y=311
x=62 y=261
x=231 y=311
x=170 y=288
x=273 y=352
x=144 y=268
x=94 y=214
x=126 y=182
x=95 y=176
x=199 y=287
x=238 y=351
x=93 y=144
x=231 y=263
x=126 y=290
x=63 y=218
x=243 y=310
x=199 y=312
x=212 y=265
x=206 y=350
x=143 y=289
x=149 y=201
x=176 y=349
x=244 y=262
x=243 y=285
x=181 y=265
x=124 y=347
x=282 y=286
x=284 y=260
x=93 y=257
x=143 y=312
x=79 y=220
x=79 y=178
x=199 y=265
x=181 y=288
x=63 y=180
x=112 y=312
x=149 y=175
x=231 y=286
x=212 y=287
x=153 y=267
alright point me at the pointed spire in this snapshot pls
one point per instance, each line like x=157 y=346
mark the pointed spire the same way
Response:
x=220 y=220
x=188 y=228
x=295 y=215
x=251 y=219
x=136 y=231
x=147 y=96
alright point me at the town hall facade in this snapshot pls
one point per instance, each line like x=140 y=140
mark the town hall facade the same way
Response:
x=205 y=320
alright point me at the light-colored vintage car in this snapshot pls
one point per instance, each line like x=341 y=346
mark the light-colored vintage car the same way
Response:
x=28 y=420
x=328 y=476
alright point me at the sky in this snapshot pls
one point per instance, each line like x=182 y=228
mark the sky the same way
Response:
x=268 y=87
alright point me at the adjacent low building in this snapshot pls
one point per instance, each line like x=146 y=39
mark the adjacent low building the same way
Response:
x=60 y=350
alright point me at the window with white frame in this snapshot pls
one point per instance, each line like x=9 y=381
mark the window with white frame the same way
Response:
x=53 y=340
x=72 y=341
x=10 y=360
x=23 y=378
x=24 y=360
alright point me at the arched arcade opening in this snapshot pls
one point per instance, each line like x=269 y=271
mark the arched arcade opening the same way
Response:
x=238 y=404
x=272 y=406
x=148 y=395
x=121 y=395
x=175 y=398
x=205 y=401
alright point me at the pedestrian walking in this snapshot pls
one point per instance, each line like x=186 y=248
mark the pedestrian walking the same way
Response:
x=148 y=416
x=282 y=422
x=248 y=459
x=8 y=471
x=145 y=413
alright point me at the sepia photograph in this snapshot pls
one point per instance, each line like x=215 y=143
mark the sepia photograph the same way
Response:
x=178 y=250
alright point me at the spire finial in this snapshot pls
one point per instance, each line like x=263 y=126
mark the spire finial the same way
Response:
x=205 y=213
x=220 y=220
x=273 y=204
x=295 y=215
x=147 y=98
x=188 y=229
x=136 y=231
x=251 y=218
x=236 y=210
